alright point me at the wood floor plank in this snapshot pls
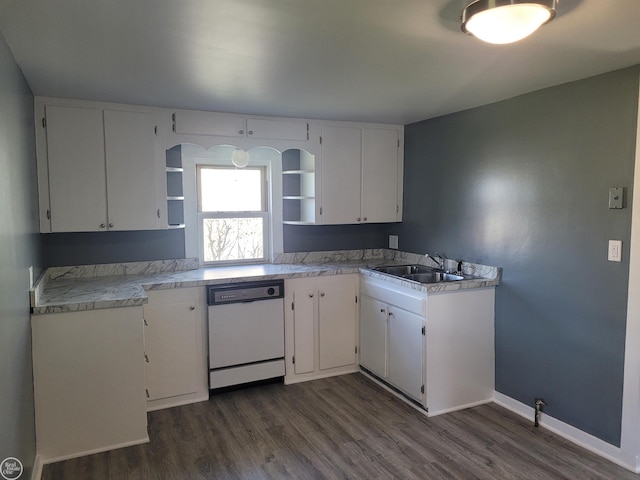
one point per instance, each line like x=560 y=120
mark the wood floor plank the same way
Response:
x=345 y=427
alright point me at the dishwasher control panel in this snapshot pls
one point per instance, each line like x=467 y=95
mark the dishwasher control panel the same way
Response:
x=244 y=292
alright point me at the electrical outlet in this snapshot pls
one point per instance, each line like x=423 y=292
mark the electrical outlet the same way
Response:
x=615 y=251
x=393 y=241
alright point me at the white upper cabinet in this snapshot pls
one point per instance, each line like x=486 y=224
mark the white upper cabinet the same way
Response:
x=361 y=167
x=132 y=178
x=380 y=190
x=100 y=169
x=277 y=129
x=208 y=123
x=340 y=166
x=214 y=124
x=77 y=181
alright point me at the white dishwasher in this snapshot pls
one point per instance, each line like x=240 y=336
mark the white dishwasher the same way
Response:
x=246 y=332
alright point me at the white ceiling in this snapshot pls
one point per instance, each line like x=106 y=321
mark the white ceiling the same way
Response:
x=395 y=61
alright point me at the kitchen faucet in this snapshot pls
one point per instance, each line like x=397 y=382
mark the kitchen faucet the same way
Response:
x=440 y=263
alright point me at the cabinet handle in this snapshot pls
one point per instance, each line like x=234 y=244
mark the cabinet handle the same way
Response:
x=192 y=308
x=146 y=358
x=158 y=213
x=102 y=225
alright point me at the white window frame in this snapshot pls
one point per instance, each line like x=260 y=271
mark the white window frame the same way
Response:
x=263 y=214
x=219 y=154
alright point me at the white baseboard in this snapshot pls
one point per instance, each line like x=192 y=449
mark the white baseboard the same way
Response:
x=36 y=473
x=569 y=432
x=95 y=450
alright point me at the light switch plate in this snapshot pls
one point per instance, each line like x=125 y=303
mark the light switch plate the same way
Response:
x=393 y=241
x=615 y=251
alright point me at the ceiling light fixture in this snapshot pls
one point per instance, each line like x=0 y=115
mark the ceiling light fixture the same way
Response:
x=240 y=158
x=506 y=21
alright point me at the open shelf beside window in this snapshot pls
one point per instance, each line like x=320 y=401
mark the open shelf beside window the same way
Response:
x=298 y=188
x=175 y=194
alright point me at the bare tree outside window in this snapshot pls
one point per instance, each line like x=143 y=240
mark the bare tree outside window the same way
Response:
x=232 y=239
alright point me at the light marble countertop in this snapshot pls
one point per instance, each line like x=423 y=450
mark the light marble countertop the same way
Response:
x=66 y=289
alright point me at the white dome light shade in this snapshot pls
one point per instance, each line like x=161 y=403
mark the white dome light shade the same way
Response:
x=240 y=158
x=506 y=21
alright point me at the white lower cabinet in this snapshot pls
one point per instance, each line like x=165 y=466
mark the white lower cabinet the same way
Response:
x=406 y=348
x=175 y=338
x=320 y=326
x=392 y=341
x=88 y=382
x=436 y=348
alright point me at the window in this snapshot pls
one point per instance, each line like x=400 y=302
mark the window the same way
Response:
x=233 y=218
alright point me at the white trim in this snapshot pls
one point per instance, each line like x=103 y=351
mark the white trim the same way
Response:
x=193 y=155
x=460 y=407
x=61 y=458
x=569 y=432
x=630 y=435
x=36 y=473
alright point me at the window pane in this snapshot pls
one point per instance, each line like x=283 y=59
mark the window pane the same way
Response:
x=232 y=239
x=231 y=190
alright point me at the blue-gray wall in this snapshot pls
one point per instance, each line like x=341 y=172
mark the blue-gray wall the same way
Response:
x=524 y=184
x=315 y=238
x=18 y=250
x=88 y=248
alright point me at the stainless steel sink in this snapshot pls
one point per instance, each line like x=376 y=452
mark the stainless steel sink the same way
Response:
x=433 y=277
x=401 y=270
x=418 y=273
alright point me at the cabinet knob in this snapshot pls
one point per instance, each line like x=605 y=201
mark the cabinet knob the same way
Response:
x=358 y=219
x=240 y=132
x=111 y=225
x=311 y=295
x=192 y=308
x=364 y=219
x=322 y=294
x=382 y=310
x=102 y=225
x=250 y=132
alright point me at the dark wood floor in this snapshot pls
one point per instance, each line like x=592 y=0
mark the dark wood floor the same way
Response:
x=343 y=427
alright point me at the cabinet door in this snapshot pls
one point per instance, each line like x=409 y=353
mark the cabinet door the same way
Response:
x=379 y=175
x=303 y=330
x=405 y=351
x=170 y=348
x=277 y=129
x=88 y=381
x=132 y=186
x=75 y=156
x=208 y=123
x=373 y=335
x=337 y=322
x=340 y=166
